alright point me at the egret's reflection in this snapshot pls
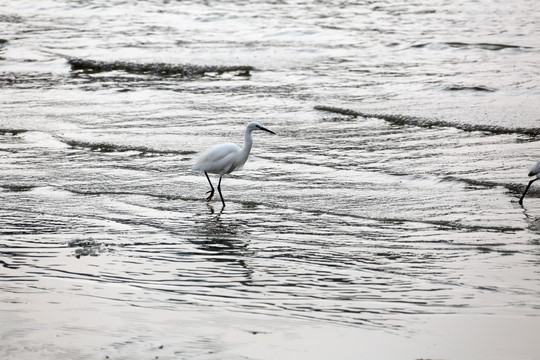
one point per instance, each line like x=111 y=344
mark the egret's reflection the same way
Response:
x=212 y=211
x=533 y=221
x=224 y=235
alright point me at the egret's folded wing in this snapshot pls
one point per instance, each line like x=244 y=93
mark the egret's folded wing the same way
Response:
x=535 y=170
x=216 y=158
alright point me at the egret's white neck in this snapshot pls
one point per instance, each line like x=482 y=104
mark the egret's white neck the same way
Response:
x=248 y=141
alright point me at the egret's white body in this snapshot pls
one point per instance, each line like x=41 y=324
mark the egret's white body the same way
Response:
x=535 y=171
x=225 y=158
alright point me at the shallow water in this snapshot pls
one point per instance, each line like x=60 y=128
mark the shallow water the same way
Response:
x=384 y=211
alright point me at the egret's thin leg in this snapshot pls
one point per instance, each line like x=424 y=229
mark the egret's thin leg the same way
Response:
x=526 y=189
x=211 y=186
x=219 y=189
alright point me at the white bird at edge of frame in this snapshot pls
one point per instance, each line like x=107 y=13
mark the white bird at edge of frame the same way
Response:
x=225 y=158
x=535 y=171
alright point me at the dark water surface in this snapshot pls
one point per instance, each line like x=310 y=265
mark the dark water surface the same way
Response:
x=381 y=222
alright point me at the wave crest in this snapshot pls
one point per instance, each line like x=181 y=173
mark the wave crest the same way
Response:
x=183 y=70
x=425 y=122
x=109 y=147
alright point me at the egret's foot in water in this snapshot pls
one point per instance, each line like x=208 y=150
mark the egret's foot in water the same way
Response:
x=211 y=195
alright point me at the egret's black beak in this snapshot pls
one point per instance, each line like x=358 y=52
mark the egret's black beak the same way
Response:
x=265 y=129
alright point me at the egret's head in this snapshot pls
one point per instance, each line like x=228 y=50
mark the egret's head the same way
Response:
x=257 y=126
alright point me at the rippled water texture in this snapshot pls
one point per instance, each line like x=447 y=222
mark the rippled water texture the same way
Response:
x=381 y=222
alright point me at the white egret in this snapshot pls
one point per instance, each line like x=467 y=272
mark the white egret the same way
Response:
x=535 y=171
x=225 y=158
